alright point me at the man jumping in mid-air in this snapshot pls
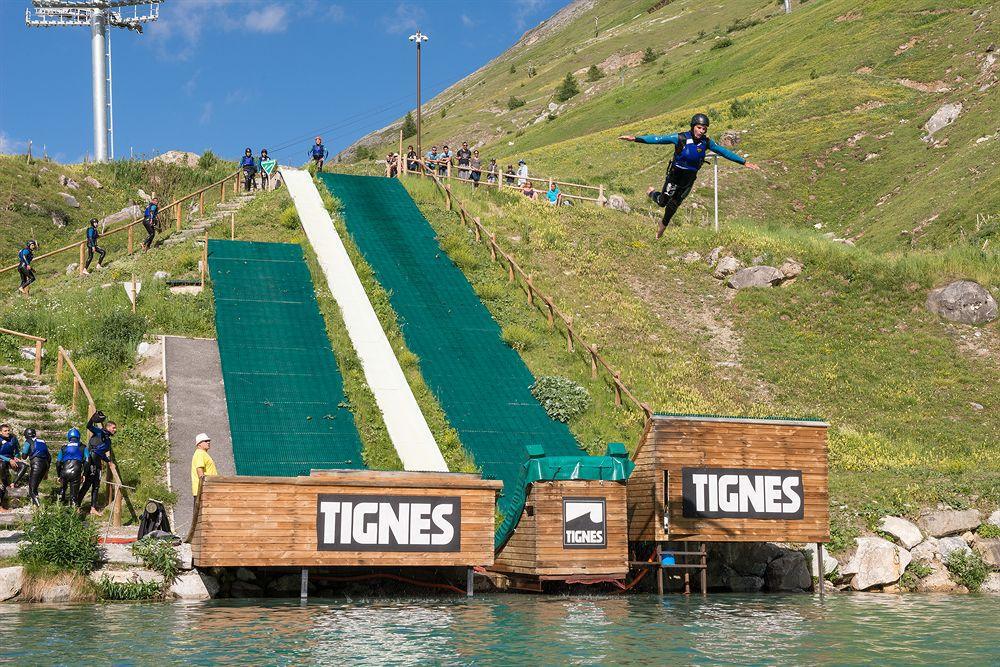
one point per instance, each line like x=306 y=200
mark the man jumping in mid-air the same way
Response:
x=690 y=149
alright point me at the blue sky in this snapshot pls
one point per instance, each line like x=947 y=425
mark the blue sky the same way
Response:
x=226 y=74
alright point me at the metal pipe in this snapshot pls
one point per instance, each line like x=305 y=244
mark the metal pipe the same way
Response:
x=98 y=26
x=420 y=150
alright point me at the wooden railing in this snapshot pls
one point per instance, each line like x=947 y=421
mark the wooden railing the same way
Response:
x=172 y=210
x=39 y=341
x=542 y=301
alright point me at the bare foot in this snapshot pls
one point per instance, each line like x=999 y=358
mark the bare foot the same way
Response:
x=649 y=190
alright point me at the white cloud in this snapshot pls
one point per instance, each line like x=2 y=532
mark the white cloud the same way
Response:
x=206 y=113
x=11 y=146
x=407 y=17
x=273 y=18
x=238 y=96
x=177 y=32
x=336 y=13
x=467 y=22
x=524 y=8
x=191 y=85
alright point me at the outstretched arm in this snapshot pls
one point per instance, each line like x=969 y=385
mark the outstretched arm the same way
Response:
x=730 y=155
x=651 y=138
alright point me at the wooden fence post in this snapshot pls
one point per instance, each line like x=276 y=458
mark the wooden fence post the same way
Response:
x=232 y=226
x=80 y=269
x=222 y=193
x=569 y=333
x=59 y=364
x=593 y=362
x=493 y=246
x=76 y=391
x=510 y=269
x=477 y=225
x=531 y=291
x=601 y=199
x=201 y=203
x=618 y=389
x=38 y=358
x=130 y=238
x=178 y=214
x=447 y=195
x=549 y=315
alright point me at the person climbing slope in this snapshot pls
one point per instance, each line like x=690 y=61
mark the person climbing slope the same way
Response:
x=690 y=149
x=318 y=153
x=149 y=222
x=98 y=453
x=37 y=459
x=24 y=258
x=92 y=247
x=69 y=466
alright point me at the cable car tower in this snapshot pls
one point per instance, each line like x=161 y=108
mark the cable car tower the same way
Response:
x=100 y=15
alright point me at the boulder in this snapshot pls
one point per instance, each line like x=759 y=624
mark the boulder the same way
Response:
x=183 y=158
x=93 y=182
x=739 y=583
x=35 y=209
x=58 y=219
x=713 y=255
x=618 y=203
x=949 y=522
x=905 y=532
x=127 y=214
x=727 y=266
x=61 y=593
x=245 y=589
x=943 y=117
x=691 y=257
x=755 y=276
x=994 y=519
x=937 y=581
x=991 y=584
x=790 y=269
x=194 y=585
x=69 y=199
x=286 y=583
x=963 y=301
x=244 y=574
x=11 y=581
x=926 y=550
x=143 y=196
x=829 y=562
x=8 y=549
x=123 y=576
x=788 y=573
x=876 y=562
x=989 y=548
x=72 y=268
x=28 y=352
x=68 y=182
x=949 y=545
x=160 y=275
x=119 y=553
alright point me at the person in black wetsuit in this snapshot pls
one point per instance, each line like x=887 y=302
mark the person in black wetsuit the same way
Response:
x=98 y=453
x=36 y=460
x=24 y=258
x=260 y=166
x=69 y=466
x=149 y=222
x=249 y=167
x=92 y=247
x=9 y=450
x=690 y=149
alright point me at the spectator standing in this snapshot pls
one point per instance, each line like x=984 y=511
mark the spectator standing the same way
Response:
x=318 y=153
x=493 y=172
x=522 y=172
x=202 y=465
x=464 y=156
x=264 y=176
x=411 y=159
x=432 y=159
x=98 y=453
x=149 y=222
x=24 y=258
x=92 y=247
x=553 y=194
x=477 y=168
x=9 y=450
x=392 y=165
x=444 y=160
x=37 y=459
x=508 y=175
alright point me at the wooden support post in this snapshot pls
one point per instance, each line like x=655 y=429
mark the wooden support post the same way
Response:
x=447 y=195
x=704 y=569
x=59 y=364
x=820 y=571
x=130 y=235
x=659 y=571
x=38 y=358
x=493 y=246
x=115 y=496
x=447 y=169
x=76 y=392
x=82 y=258
x=569 y=334
x=201 y=203
x=618 y=389
x=304 y=584
x=601 y=199
x=178 y=213
x=479 y=236
x=550 y=312
x=468 y=582
x=531 y=291
x=232 y=226
x=593 y=362
x=222 y=193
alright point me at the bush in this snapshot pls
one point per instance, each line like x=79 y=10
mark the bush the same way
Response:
x=365 y=153
x=567 y=89
x=58 y=537
x=207 y=160
x=648 y=56
x=519 y=337
x=741 y=107
x=968 y=569
x=514 y=103
x=988 y=531
x=594 y=73
x=128 y=590
x=562 y=398
x=289 y=218
x=917 y=569
x=531 y=71
x=513 y=70
x=409 y=126
x=158 y=555
x=722 y=43
x=119 y=332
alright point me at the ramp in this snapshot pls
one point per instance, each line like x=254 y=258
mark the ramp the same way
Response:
x=284 y=391
x=482 y=384
x=404 y=421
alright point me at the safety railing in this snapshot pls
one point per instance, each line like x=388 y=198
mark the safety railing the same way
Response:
x=174 y=210
x=543 y=302
x=39 y=342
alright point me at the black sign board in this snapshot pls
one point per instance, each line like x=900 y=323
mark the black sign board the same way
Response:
x=585 y=523
x=741 y=493
x=355 y=522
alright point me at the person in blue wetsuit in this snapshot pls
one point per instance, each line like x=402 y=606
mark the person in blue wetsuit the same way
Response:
x=92 y=247
x=318 y=153
x=690 y=149
x=69 y=466
x=260 y=167
x=98 y=453
x=24 y=258
x=36 y=461
x=249 y=167
x=9 y=450
x=150 y=223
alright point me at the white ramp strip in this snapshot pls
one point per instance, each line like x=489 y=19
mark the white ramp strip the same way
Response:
x=407 y=427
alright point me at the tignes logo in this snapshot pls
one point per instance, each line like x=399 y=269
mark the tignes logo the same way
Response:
x=355 y=522
x=585 y=523
x=741 y=493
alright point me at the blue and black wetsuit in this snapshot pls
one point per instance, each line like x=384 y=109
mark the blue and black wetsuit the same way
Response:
x=318 y=153
x=689 y=155
x=263 y=173
x=149 y=222
x=69 y=465
x=249 y=167
x=9 y=450
x=98 y=453
x=92 y=247
x=36 y=452
x=24 y=258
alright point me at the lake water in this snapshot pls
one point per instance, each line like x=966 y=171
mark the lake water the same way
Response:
x=512 y=630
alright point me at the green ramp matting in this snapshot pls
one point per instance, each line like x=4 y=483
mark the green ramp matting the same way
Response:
x=482 y=384
x=284 y=391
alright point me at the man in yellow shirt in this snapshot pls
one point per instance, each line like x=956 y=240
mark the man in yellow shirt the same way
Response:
x=202 y=464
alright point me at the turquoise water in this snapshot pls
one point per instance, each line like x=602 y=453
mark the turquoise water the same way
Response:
x=513 y=630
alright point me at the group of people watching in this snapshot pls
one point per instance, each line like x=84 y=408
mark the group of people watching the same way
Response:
x=78 y=466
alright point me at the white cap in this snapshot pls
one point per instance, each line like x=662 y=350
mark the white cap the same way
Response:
x=200 y=438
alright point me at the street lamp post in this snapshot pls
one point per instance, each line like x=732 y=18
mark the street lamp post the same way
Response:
x=418 y=37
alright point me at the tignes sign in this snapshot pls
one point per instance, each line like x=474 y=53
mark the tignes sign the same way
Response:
x=356 y=522
x=585 y=523
x=741 y=493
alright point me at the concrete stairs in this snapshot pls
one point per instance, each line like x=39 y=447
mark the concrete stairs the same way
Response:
x=196 y=229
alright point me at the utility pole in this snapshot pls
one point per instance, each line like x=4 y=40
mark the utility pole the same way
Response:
x=98 y=15
x=418 y=38
x=788 y=6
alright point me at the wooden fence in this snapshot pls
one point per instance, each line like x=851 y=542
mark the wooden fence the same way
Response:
x=38 y=340
x=174 y=210
x=542 y=301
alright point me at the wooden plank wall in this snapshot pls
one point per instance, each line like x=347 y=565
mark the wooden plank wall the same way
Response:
x=673 y=443
x=271 y=521
x=536 y=548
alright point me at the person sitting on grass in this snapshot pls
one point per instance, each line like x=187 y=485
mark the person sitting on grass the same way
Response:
x=24 y=258
x=528 y=190
x=92 y=247
x=553 y=195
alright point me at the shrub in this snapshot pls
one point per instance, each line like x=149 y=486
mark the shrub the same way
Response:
x=594 y=73
x=464 y=258
x=917 y=569
x=988 y=531
x=741 y=107
x=968 y=569
x=648 y=56
x=491 y=291
x=365 y=153
x=120 y=332
x=444 y=112
x=567 y=89
x=128 y=590
x=519 y=337
x=562 y=398
x=158 y=555
x=514 y=103
x=207 y=160
x=513 y=70
x=531 y=71
x=58 y=537
x=721 y=43
x=409 y=126
x=289 y=218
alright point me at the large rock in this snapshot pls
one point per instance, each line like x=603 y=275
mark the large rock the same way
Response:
x=876 y=562
x=691 y=257
x=68 y=182
x=904 y=531
x=58 y=219
x=618 y=203
x=246 y=589
x=755 y=276
x=829 y=562
x=124 y=576
x=949 y=522
x=790 y=269
x=739 y=583
x=937 y=581
x=989 y=549
x=119 y=553
x=194 y=585
x=93 y=182
x=143 y=196
x=944 y=116
x=11 y=581
x=61 y=593
x=788 y=573
x=127 y=214
x=949 y=545
x=69 y=199
x=991 y=584
x=178 y=157
x=994 y=519
x=963 y=301
x=727 y=266
x=926 y=550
